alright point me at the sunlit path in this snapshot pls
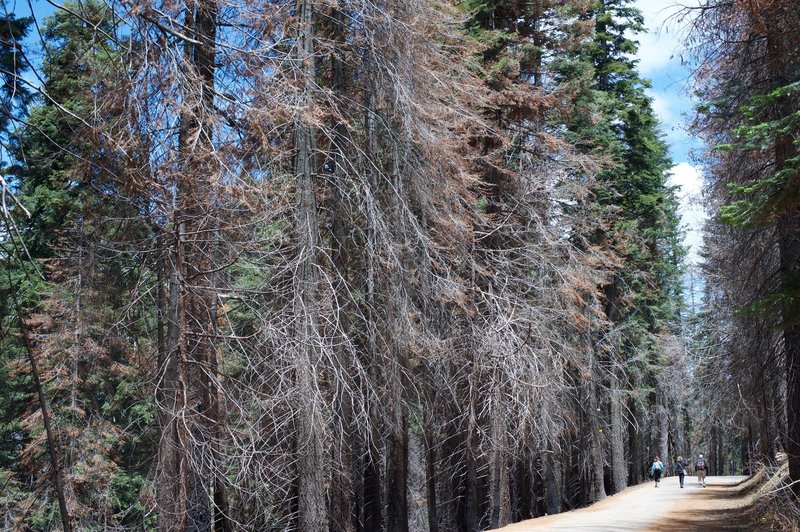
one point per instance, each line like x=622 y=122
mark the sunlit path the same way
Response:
x=645 y=507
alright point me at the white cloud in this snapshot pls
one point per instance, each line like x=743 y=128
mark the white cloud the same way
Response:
x=662 y=107
x=658 y=47
x=656 y=52
x=690 y=180
x=656 y=11
x=661 y=46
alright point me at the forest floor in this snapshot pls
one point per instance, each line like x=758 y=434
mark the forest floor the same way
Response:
x=721 y=505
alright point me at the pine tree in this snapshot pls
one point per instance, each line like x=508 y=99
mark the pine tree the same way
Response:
x=65 y=176
x=613 y=116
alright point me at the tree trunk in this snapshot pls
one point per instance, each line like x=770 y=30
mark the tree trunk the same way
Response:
x=471 y=481
x=397 y=466
x=766 y=445
x=372 y=509
x=792 y=341
x=215 y=398
x=663 y=427
x=788 y=232
x=552 y=475
x=186 y=455
x=430 y=454
x=343 y=498
x=789 y=243
x=635 y=446
x=500 y=484
x=397 y=476
x=597 y=459
x=311 y=466
x=170 y=482
x=619 y=470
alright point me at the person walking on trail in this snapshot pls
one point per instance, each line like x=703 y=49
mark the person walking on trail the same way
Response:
x=656 y=468
x=680 y=469
x=700 y=468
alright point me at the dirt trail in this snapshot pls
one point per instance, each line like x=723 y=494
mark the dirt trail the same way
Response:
x=718 y=506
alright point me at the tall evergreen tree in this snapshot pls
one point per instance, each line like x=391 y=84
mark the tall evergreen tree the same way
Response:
x=613 y=116
x=70 y=297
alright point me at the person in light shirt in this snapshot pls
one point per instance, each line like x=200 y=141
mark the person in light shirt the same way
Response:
x=656 y=468
x=700 y=466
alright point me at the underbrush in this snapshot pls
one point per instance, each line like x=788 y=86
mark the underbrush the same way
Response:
x=775 y=506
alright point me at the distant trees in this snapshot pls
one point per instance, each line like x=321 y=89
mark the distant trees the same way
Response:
x=637 y=229
x=349 y=265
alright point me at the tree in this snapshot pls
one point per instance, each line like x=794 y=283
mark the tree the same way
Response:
x=748 y=115
x=639 y=223
x=82 y=354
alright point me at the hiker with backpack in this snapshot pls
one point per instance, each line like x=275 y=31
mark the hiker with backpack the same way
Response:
x=680 y=469
x=656 y=468
x=700 y=467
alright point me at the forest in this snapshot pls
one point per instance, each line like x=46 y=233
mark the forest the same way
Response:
x=403 y=265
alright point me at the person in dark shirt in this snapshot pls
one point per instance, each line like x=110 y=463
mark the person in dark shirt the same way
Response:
x=680 y=469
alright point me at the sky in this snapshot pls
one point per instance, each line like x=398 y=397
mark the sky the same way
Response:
x=660 y=53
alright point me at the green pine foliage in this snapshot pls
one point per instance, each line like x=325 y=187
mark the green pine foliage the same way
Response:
x=68 y=267
x=761 y=200
x=614 y=118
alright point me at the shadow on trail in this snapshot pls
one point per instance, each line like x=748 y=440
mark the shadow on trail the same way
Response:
x=711 y=520
x=733 y=517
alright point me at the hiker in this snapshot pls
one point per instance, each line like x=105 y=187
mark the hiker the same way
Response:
x=656 y=468
x=680 y=469
x=700 y=467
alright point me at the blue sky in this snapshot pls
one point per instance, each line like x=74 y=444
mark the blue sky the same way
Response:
x=660 y=53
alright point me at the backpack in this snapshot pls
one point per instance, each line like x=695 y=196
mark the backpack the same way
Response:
x=700 y=465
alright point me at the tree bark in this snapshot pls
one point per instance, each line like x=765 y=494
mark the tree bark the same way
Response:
x=766 y=445
x=779 y=46
x=170 y=482
x=619 y=470
x=663 y=427
x=430 y=453
x=397 y=476
x=312 y=506
x=343 y=500
x=471 y=481
x=500 y=483
x=597 y=462
x=552 y=475
x=397 y=466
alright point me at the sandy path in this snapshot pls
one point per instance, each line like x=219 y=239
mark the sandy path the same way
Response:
x=718 y=506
